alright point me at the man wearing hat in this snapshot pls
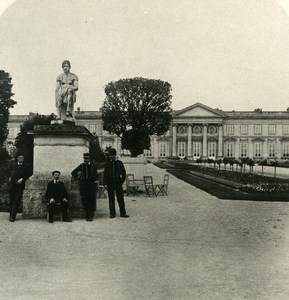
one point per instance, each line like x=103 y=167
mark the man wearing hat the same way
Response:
x=56 y=194
x=87 y=174
x=113 y=179
x=19 y=173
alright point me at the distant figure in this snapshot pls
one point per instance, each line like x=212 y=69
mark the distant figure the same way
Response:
x=114 y=177
x=87 y=174
x=56 y=194
x=18 y=175
x=65 y=96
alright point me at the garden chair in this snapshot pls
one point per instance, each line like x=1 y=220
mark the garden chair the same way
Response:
x=101 y=191
x=131 y=186
x=150 y=188
x=163 y=187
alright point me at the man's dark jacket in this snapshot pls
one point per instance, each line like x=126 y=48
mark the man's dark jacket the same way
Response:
x=114 y=173
x=86 y=173
x=16 y=172
x=57 y=191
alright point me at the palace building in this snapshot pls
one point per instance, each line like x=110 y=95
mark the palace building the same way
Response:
x=199 y=131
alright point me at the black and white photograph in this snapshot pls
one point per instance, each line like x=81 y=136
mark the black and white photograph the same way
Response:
x=144 y=149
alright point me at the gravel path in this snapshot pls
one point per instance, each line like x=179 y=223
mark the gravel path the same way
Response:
x=188 y=245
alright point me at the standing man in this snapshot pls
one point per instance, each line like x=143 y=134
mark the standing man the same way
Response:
x=114 y=177
x=65 y=96
x=18 y=175
x=56 y=194
x=87 y=174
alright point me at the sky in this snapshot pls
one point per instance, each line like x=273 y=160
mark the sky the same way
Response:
x=226 y=54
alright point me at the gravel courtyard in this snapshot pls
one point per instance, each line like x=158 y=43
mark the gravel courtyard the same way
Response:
x=188 y=245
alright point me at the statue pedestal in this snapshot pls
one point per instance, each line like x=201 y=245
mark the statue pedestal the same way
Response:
x=56 y=147
x=136 y=166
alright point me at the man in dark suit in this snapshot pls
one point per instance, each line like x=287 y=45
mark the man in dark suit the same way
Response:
x=113 y=179
x=56 y=194
x=87 y=174
x=18 y=175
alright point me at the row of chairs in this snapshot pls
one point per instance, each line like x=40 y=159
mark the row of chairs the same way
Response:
x=150 y=188
x=132 y=187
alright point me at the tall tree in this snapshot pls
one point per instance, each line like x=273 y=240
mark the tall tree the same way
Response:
x=6 y=102
x=136 y=108
x=24 y=141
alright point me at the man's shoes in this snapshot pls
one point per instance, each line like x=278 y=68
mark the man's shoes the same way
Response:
x=50 y=221
x=11 y=219
x=112 y=216
x=89 y=219
x=125 y=216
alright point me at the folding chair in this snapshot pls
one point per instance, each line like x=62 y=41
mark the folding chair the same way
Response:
x=101 y=191
x=163 y=187
x=131 y=187
x=150 y=188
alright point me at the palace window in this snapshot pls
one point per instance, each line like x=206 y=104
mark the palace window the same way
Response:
x=212 y=149
x=271 y=150
x=244 y=129
x=124 y=152
x=163 y=149
x=257 y=150
x=98 y=129
x=92 y=128
x=230 y=129
x=243 y=149
x=229 y=150
x=107 y=144
x=147 y=152
x=272 y=129
x=285 y=129
x=197 y=149
x=258 y=129
x=285 y=150
x=11 y=133
x=181 y=149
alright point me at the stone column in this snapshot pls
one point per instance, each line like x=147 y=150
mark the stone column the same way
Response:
x=174 y=140
x=220 y=141
x=278 y=149
x=250 y=148
x=205 y=140
x=237 y=149
x=265 y=148
x=189 y=140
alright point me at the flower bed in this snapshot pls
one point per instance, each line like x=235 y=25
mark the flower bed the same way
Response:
x=265 y=188
x=250 y=183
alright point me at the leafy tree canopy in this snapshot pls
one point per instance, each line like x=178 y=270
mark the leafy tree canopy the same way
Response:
x=24 y=141
x=5 y=104
x=135 y=108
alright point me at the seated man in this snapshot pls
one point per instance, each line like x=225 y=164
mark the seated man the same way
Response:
x=56 y=193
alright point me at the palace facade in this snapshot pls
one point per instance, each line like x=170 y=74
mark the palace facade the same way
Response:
x=199 y=131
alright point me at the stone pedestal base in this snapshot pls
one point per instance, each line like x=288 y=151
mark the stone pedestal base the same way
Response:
x=34 y=201
x=56 y=147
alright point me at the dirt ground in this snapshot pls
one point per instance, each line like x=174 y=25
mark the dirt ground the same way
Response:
x=188 y=245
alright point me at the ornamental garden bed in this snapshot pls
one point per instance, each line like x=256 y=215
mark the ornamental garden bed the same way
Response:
x=226 y=184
